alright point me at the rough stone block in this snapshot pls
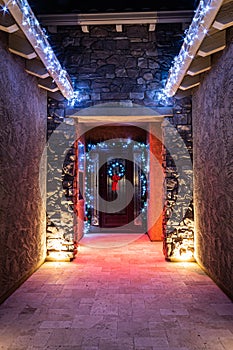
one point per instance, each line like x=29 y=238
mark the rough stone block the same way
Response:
x=131 y=62
x=132 y=73
x=121 y=72
x=137 y=31
x=142 y=62
x=122 y=44
x=98 y=32
x=106 y=69
x=137 y=95
x=148 y=76
x=114 y=96
x=153 y=64
x=95 y=96
x=141 y=81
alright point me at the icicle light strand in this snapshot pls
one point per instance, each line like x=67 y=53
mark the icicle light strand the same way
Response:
x=191 y=36
x=32 y=26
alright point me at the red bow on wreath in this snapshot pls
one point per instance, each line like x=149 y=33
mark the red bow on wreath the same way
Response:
x=115 y=179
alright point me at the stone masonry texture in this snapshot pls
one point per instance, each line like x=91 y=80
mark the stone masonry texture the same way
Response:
x=213 y=168
x=131 y=67
x=23 y=139
x=105 y=65
x=178 y=219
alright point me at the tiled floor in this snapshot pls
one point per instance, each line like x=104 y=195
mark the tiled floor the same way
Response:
x=117 y=296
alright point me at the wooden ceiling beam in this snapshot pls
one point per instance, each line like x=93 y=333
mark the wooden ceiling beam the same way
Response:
x=200 y=25
x=56 y=96
x=182 y=93
x=224 y=18
x=119 y=28
x=212 y=44
x=48 y=84
x=116 y=18
x=21 y=47
x=190 y=82
x=30 y=41
x=199 y=65
x=152 y=27
x=7 y=23
x=85 y=29
x=35 y=67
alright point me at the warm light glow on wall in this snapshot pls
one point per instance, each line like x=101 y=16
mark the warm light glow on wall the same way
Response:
x=58 y=256
x=188 y=255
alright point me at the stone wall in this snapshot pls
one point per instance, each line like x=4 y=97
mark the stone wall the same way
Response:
x=131 y=67
x=61 y=160
x=178 y=219
x=23 y=111
x=106 y=65
x=213 y=169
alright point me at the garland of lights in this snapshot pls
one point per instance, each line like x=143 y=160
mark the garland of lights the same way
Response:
x=116 y=167
x=192 y=35
x=33 y=30
x=31 y=25
x=90 y=164
x=144 y=185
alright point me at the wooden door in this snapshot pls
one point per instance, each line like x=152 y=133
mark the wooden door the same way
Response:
x=117 y=208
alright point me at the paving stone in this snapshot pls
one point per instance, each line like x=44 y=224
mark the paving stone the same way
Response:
x=223 y=309
x=150 y=341
x=125 y=297
x=55 y=324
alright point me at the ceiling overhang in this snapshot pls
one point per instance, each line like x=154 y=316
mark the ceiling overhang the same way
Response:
x=206 y=36
x=28 y=40
x=117 y=112
x=117 y=19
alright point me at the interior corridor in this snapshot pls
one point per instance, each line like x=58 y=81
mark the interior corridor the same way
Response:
x=117 y=296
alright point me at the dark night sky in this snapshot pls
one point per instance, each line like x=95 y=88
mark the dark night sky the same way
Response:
x=83 y=6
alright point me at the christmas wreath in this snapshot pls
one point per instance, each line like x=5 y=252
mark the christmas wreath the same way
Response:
x=116 y=167
x=116 y=171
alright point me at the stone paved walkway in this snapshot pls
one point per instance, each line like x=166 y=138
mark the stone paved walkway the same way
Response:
x=117 y=298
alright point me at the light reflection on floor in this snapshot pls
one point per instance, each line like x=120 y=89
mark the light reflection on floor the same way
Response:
x=121 y=298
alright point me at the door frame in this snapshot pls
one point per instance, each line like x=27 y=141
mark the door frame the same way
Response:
x=130 y=114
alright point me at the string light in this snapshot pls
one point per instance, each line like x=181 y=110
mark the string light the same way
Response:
x=32 y=26
x=163 y=98
x=116 y=167
x=191 y=36
x=3 y=8
x=139 y=147
x=76 y=98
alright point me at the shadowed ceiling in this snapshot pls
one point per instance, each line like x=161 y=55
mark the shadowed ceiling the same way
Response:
x=90 y=6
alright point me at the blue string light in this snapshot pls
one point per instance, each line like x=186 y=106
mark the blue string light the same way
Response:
x=32 y=26
x=120 y=170
x=191 y=36
x=116 y=167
